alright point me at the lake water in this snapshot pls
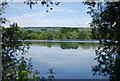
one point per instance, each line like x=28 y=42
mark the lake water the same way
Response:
x=69 y=60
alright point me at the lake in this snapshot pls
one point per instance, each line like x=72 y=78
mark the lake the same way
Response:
x=69 y=60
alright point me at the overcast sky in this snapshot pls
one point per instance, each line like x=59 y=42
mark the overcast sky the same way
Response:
x=65 y=14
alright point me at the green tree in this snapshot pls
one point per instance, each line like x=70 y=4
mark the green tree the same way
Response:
x=72 y=35
x=49 y=35
x=85 y=33
x=106 y=21
x=11 y=43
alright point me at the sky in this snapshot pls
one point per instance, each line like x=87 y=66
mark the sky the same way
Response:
x=65 y=14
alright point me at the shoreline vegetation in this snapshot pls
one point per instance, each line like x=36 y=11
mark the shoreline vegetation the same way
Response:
x=63 y=33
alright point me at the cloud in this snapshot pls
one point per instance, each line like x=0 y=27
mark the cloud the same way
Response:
x=39 y=19
x=50 y=57
x=87 y=24
x=62 y=15
x=58 y=10
x=27 y=16
x=27 y=19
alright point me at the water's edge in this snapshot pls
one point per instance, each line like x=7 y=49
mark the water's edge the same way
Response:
x=88 y=41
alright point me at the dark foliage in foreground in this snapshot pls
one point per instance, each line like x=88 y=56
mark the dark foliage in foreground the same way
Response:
x=106 y=26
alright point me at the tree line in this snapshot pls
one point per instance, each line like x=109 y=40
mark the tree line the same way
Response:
x=50 y=34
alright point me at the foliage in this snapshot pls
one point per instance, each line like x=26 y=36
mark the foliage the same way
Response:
x=65 y=30
x=106 y=20
x=3 y=5
x=106 y=26
x=51 y=74
x=49 y=34
x=11 y=44
x=46 y=3
x=14 y=68
x=85 y=33
x=22 y=70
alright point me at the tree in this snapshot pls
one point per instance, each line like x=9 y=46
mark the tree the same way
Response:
x=49 y=35
x=85 y=33
x=72 y=35
x=10 y=44
x=106 y=20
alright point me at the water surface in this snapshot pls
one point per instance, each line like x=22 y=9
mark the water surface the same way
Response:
x=69 y=60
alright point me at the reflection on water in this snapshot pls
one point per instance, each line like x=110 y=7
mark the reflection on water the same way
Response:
x=68 y=60
x=67 y=45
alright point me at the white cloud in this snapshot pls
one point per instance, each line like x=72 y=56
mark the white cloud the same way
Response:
x=27 y=16
x=38 y=20
x=65 y=10
x=87 y=24
x=59 y=16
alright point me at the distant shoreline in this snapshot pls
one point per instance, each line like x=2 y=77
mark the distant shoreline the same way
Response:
x=79 y=41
